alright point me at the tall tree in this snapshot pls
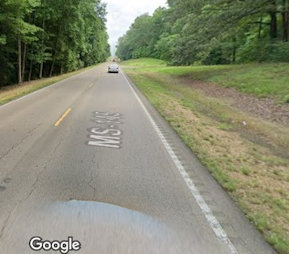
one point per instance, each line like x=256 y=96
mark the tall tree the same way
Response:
x=212 y=32
x=53 y=36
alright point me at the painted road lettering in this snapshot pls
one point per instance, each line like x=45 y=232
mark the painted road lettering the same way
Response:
x=104 y=117
x=107 y=132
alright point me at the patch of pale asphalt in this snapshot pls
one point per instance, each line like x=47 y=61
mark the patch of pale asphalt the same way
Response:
x=213 y=222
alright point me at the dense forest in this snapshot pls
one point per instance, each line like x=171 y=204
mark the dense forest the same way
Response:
x=211 y=32
x=41 y=38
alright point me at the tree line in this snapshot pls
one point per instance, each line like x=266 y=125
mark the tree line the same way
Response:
x=41 y=38
x=211 y=32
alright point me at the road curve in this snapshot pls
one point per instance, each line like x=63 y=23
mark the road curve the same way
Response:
x=88 y=157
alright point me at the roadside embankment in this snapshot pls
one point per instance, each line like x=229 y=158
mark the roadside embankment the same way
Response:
x=234 y=118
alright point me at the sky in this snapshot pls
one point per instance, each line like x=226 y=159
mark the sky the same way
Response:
x=122 y=13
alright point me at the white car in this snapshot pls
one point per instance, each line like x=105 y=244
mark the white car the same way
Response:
x=113 y=68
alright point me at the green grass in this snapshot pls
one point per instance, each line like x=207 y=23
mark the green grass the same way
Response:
x=253 y=174
x=262 y=80
x=145 y=62
x=245 y=171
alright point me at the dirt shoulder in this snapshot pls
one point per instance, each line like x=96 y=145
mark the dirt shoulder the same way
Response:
x=265 y=108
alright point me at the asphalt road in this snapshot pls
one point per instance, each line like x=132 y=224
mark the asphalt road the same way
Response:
x=90 y=158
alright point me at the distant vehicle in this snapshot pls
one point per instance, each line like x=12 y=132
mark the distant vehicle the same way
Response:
x=113 y=68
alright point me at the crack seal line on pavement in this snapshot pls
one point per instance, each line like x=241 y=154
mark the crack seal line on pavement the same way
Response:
x=62 y=117
x=212 y=220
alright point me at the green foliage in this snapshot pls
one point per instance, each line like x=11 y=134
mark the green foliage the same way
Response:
x=278 y=242
x=211 y=32
x=2 y=39
x=46 y=37
x=142 y=37
x=264 y=51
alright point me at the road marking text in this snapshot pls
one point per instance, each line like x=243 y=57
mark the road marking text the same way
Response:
x=106 y=134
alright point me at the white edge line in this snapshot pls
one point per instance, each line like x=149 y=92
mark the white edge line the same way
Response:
x=42 y=89
x=212 y=220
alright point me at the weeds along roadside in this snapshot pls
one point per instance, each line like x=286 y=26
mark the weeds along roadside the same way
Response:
x=249 y=161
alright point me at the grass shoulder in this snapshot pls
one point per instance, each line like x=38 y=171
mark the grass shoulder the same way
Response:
x=250 y=161
x=263 y=80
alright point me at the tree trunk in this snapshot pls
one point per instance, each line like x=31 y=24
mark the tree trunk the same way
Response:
x=30 y=70
x=285 y=19
x=19 y=60
x=273 y=25
x=24 y=61
x=273 y=22
x=42 y=51
x=41 y=70
x=55 y=48
x=55 y=52
x=52 y=67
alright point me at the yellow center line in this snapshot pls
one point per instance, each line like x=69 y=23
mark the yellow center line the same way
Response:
x=62 y=117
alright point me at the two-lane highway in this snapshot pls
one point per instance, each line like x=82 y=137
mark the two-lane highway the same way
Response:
x=90 y=158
